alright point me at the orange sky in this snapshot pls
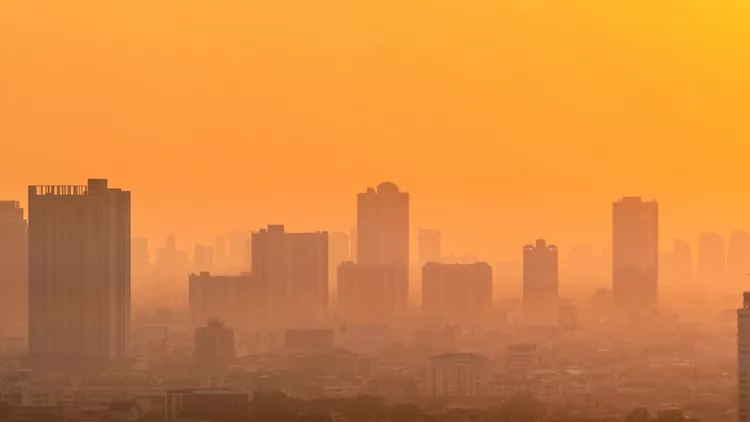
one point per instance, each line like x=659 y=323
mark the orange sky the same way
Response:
x=505 y=119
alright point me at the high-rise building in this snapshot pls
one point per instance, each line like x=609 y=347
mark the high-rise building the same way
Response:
x=13 y=266
x=353 y=245
x=540 y=283
x=743 y=357
x=140 y=260
x=79 y=272
x=338 y=252
x=203 y=259
x=172 y=265
x=214 y=347
x=383 y=226
x=429 y=247
x=635 y=254
x=370 y=293
x=712 y=258
x=235 y=300
x=457 y=292
x=738 y=255
x=292 y=269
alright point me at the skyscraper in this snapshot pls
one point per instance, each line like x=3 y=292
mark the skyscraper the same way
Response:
x=13 y=266
x=635 y=253
x=712 y=258
x=457 y=292
x=429 y=246
x=79 y=272
x=370 y=293
x=383 y=226
x=292 y=269
x=540 y=283
x=383 y=236
x=738 y=255
x=743 y=357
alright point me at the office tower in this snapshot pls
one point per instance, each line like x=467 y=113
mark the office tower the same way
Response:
x=370 y=293
x=140 y=260
x=457 y=375
x=235 y=300
x=711 y=258
x=540 y=284
x=457 y=292
x=738 y=255
x=292 y=269
x=220 y=255
x=13 y=266
x=635 y=254
x=172 y=265
x=79 y=273
x=429 y=247
x=383 y=226
x=743 y=357
x=203 y=259
x=338 y=252
x=214 y=347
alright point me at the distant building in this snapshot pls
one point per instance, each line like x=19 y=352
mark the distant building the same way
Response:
x=743 y=357
x=292 y=269
x=235 y=300
x=140 y=260
x=712 y=257
x=521 y=358
x=172 y=265
x=195 y=404
x=540 y=284
x=338 y=253
x=457 y=375
x=203 y=258
x=214 y=347
x=635 y=254
x=308 y=340
x=738 y=255
x=79 y=313
x=14 y=266
x=383 y=226
x=371 y=293
x=457 y=292
x=430 y=249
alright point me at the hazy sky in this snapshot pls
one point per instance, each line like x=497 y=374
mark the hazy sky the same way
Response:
x=504 y=119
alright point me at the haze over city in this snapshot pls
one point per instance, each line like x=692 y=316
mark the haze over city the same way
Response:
x=374 y=211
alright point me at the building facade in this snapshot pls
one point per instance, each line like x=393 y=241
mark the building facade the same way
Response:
x=457 y=375
x=540 y=284
x=635 y=254
x=457 y=292
x=13 y=266
x=79 y=272
x=383 y=226
x=371 y=293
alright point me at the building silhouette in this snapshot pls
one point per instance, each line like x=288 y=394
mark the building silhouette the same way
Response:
x=203 y=259
x=429 y=247
x=172 y=265
x=338 y=253
x=292 y=269
x=383 y=226
x=738 y=255
x=214 y=347
x=13 y=266
x=457 y=292
x=540 y=284
x=635 y=254
x=712 y=257
x=233 y=299
x=79 y=273
x=370 y=293
x=140 y=260
x=743 y=357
